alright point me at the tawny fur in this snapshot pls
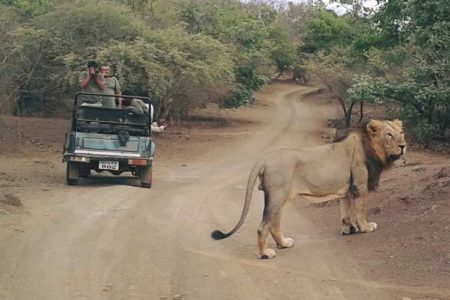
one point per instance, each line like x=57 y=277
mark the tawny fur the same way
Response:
x=347 y=170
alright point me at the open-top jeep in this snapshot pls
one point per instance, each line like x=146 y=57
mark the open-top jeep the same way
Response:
x=110 y=139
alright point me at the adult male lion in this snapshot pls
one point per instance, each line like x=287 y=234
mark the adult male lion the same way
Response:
x=347 y=169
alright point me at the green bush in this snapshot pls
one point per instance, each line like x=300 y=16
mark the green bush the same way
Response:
x=424 y=131
x=239 y=97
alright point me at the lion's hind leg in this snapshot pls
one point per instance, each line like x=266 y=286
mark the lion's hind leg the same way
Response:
x=271 y=224
x=275 y=230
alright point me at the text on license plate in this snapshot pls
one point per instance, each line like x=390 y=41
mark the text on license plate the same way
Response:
x=108 y=165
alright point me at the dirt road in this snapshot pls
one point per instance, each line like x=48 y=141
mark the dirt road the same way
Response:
x=108 y=239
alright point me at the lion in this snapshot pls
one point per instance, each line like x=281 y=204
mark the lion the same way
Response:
x=347 y=169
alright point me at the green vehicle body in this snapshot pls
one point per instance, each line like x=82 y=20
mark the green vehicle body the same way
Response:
x=114 y=140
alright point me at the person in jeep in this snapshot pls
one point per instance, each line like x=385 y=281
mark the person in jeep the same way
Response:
x=91 y=81
x=111 y=88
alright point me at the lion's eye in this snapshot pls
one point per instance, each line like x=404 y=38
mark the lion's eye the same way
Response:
x=389 y=134
x=401 y=132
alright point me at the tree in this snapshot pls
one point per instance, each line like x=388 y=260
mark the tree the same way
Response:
x=246 y=35
x=88 y=24
x=178 y=71
x=335 y=72
x=423 y=87
x=392 y=22
x=10 y=19
x=282 y=51
x=326 y=31
x=32 y=70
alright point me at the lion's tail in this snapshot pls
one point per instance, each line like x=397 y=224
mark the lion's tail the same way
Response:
x=257 y=169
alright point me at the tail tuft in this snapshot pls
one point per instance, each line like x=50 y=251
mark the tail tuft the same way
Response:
x=219 y=235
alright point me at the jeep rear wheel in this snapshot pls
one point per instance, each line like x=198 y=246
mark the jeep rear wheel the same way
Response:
x=72 y=173
x=146 y=175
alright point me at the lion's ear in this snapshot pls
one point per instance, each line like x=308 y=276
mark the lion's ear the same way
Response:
x=373 y=127
x=398 y=123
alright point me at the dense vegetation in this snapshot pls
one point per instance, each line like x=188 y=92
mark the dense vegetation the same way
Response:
x=188 y=53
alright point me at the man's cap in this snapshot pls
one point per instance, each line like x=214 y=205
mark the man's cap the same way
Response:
x=92 y=63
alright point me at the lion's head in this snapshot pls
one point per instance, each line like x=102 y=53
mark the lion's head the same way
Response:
x=386 y=140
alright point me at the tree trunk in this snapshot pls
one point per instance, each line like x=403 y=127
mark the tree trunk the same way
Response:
x=361 y=112
x=348 y=119
x=348 y=115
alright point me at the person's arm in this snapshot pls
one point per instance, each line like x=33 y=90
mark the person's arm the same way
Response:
x=118 y=91
x=84 y=79
x=119 y=100
x=100 y=81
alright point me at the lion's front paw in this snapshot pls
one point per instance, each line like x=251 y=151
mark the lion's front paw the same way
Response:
x=349 y=229
x=286 y=243
x=268 y=253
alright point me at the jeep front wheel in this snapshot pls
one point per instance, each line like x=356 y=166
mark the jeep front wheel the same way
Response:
x=72 y=173
x=146 y=177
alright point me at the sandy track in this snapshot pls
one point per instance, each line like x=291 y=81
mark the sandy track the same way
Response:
x=102 y=241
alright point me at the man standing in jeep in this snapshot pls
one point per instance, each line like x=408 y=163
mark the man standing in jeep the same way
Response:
x=111 y=88
x=92 y=81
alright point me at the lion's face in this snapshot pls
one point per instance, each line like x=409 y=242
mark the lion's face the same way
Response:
x=387 y=139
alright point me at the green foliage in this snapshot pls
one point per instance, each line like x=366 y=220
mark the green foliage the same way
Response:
x=202 y=70
x=283 y=57
x=418 y=73
x=34 y=64
x=431 y=23
x=179 y=71
x=31 y=7
x=334 y=70
x=250 y=37
x=240 y=96
x=363 y=89
x=421 y=103
x=227 y=51
x=10 y=19
x=31 y=71
x=425 y=131
x=404 y=48
x=326 y=31
x=188 y=53
x=389 y=63
x=91 y=23
x=392 y=23
x=282 y=54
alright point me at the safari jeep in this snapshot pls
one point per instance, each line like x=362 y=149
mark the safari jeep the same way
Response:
x=115 y=140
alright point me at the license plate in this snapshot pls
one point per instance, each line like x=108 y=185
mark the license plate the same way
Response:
x=108 y=165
